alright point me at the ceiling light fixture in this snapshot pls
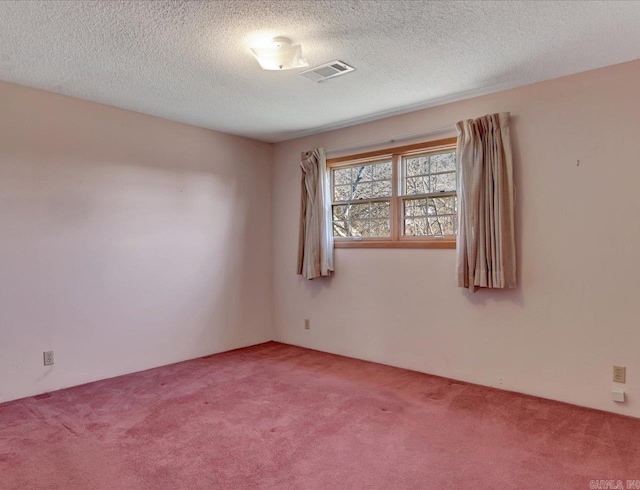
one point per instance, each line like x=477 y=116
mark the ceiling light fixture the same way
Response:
x=280 y=55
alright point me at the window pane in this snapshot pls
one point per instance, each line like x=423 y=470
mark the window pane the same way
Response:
x=339 y=212
x=415 y=226
x=380 y=210
x=380 y=228
x=381 y=188
x=443 y=182
x=442 y=205
x=382 y=171
x=362 y=190
x=342 y=176
x=415 y=207
x=442 y=225
x=417 y=165
x=340 y=229
x=417 y=185
x=358 y=211
x=435 y=226
x=362 y=173
x=444 y=162
x=342 y=193
x=359 y=228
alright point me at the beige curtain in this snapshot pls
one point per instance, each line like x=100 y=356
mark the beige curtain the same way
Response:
x=486 y=251
x=315 y=242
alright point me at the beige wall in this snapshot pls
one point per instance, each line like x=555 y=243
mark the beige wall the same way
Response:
x=126 y=241
x=576 y=312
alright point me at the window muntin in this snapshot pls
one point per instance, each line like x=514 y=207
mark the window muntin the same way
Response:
x=401 y=197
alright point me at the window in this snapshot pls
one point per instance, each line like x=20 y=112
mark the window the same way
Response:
x=400 y=197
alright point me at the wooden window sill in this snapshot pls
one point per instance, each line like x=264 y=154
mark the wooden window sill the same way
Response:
x=437 y=243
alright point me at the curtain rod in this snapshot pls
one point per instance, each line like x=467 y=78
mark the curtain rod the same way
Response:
x=394 y=139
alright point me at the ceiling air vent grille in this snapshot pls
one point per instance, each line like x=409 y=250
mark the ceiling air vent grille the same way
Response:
x=326 y=71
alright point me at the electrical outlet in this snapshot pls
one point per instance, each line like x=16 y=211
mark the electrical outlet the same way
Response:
x=307 y=324
x=620 y=374
x=48 y=358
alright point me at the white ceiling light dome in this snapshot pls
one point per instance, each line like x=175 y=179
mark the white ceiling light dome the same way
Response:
x=280 y=55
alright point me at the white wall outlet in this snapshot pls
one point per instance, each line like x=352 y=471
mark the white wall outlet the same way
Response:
x=48 y=358
x=618 y=396
x=620 y=374
x=307 y=324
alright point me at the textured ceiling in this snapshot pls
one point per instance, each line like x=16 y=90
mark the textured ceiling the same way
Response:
x=189 y=61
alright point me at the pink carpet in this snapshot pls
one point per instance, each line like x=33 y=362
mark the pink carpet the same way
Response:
x=280 y=417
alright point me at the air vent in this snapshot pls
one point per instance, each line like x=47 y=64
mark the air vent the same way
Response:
x=326 y=71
